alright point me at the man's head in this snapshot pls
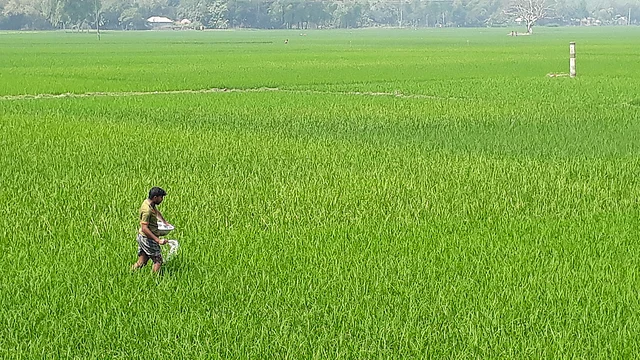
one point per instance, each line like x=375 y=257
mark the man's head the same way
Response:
x=156 y=195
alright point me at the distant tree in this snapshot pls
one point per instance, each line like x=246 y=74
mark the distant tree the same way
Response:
x=131 y=19
x=217 y=15
x=247 y=13
x=79 y=11
x=459 y=12
x=529 y=11
x=302 y=14
x=289 y=14
x=24 y=14
x=383 y=13
x=481 y=12
x=3 y=18
x=604 y=14
x=110 y=12
x=580 y=11
x=318 y=13
x=349 y=13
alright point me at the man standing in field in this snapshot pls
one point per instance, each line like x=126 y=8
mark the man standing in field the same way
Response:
x=148 y=240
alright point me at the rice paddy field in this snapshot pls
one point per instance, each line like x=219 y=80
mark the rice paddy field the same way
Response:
x=389 y=193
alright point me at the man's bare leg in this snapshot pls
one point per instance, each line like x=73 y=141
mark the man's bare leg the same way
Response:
x=156 y=266
x=142 y=261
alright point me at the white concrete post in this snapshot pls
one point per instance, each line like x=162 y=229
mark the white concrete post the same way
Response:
x=572 y=59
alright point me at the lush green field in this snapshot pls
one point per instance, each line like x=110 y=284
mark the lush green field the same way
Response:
x=392 y=194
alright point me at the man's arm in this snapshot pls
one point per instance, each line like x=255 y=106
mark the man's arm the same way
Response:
x=147 y=232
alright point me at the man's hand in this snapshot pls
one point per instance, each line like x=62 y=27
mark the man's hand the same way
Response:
x=163 y=241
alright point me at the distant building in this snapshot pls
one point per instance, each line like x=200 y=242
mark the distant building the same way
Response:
x=620 y=20
x=160 y=22
x=589 y=21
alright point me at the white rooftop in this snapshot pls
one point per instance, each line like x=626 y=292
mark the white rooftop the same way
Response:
x=159 y=20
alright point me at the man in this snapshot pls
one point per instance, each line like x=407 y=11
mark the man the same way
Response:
x=148 y=240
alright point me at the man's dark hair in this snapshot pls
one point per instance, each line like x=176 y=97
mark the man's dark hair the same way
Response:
x=156 y=191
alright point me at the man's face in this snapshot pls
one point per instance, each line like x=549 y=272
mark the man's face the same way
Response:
x=157 y=199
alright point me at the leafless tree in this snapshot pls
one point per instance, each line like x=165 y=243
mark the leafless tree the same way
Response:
x=529 y=11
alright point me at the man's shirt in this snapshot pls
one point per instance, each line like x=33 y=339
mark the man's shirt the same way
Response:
x=148 y=216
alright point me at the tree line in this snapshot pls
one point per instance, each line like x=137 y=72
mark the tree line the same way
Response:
x=300 y=14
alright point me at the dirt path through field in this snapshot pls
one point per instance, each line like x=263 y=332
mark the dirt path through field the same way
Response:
x=220 y=90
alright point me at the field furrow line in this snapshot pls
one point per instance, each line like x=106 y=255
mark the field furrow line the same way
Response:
x=396 y=94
